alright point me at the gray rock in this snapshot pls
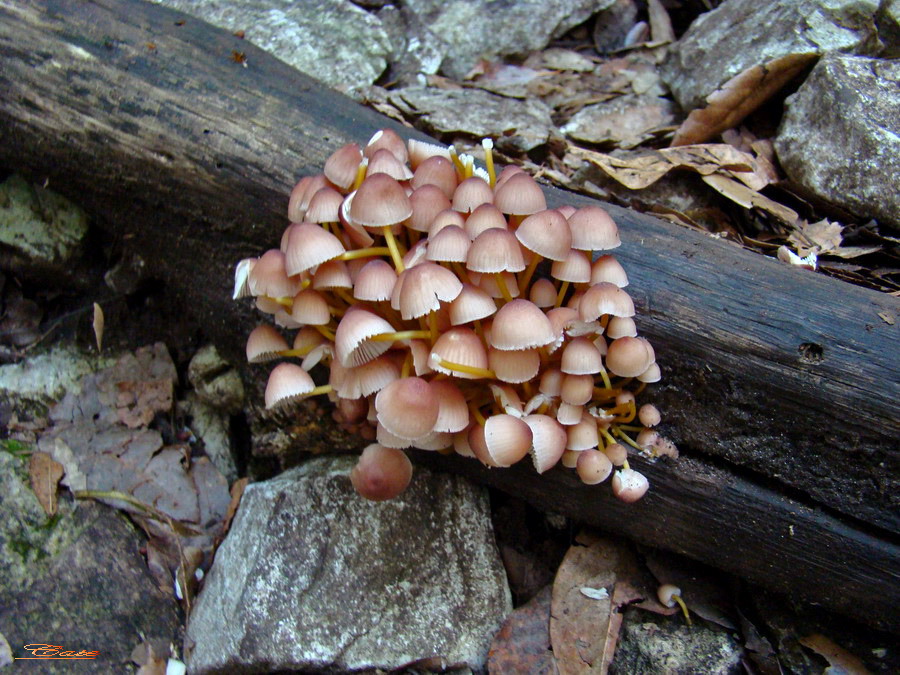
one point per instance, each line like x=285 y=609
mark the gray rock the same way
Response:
x=625 y=121
x=475 y=29
x=888 y=21
x=211 y=425
x=334 y=41
x=743 y=33
x=311 y=577
x=215 y=381
x=45 y=378
x=39 y=227
x=417 y=51
x=478 y=113
x=667 y=645
x=75 y=580
x=840 y=136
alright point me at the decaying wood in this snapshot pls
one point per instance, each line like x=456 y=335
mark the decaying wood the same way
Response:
x=185 y=140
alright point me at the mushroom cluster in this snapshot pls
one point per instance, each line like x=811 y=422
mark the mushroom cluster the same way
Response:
x=456 y=313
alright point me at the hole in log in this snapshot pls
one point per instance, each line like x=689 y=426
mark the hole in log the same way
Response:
x=812 y=353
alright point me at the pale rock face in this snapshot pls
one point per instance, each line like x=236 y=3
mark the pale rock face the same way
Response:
x=312 y=576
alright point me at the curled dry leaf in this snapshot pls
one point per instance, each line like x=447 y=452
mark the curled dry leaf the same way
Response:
x=661 y=30
x=522 y=645
x=45 y=473
x=98 y=326
x=237 y=492
x=639 y=171
x=840 y=659
x=728 y=105
x=741 y=194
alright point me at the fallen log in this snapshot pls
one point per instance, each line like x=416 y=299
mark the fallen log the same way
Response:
x=184 y=141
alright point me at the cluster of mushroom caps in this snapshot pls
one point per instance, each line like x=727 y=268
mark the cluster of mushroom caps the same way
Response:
x=457 y=314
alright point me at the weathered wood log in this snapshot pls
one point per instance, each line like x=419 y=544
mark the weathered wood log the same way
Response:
x=788 y=378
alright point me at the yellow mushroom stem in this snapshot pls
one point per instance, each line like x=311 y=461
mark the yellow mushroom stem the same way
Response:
x=401 y=335
x=515 y=221
x=433 y=333
x=476 y=413
x=460 y=272
x=321 y=389
x=335 y=311
x=525 y=278
x=285 y=301
x=287 y=353
x=601 y=395
x=343 y=295
x=605 y=377
x=625 y=437
x=392 y=247
x=360 y=175
x=468 y=370
x=469 y=166
x=407 y=365
x=687 y=617
x=626 y=411
x=324 y=331
x=562 y=293
x=488 y=146
x=479 y=331
x=365 y=253
x=460 y=169
x=640 y=388
x=501 y=284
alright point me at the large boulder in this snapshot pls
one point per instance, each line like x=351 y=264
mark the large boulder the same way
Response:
x=313 y=577
x=840 y=136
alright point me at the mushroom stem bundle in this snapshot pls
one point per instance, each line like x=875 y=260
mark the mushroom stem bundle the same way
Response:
x=456 y=313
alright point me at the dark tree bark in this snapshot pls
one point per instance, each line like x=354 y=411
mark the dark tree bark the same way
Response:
x=786 y=381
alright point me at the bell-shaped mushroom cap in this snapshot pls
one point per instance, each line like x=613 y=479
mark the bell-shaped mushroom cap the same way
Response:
x=427 y=202
x=543 y=293
x=451 y=244
x=381 y=473
x=269 y=276
x=629 y=485
x=242 y=278
x=488 y=283
x=581 y=357
x=508 y=172
x=388 y=140
x=621 y=326
x=332 y=274
x=495 y=251
x=446 y=218
x=310 y=308
x=459 y=346
x=576 y=268
x=483 y=218
x=351 y=340
x=366 y=379
x=264 y=344
x=607 y=268
x=325 y=206
x=424 y=287
x=583 y=435
x=593 y=229
x=383 y=161
x=437 y=171
x=471 y=304
x=341 y=167
x=507 y=438
x=652 y=374
x=648 y=415
x=514 y=366
x=453 y=415
x=303 y=191
x=577 y=389
x=628 y=356
x=375 y=281
x=548 y=441
x=407 y=407
x=420 y=151
x=605 y=298
x=520 y=196
x=380 y=201
x=547 y=234
x=471 y=193
x=520 y=324
x=287 y=383
x=309 y=245
x=593 y=467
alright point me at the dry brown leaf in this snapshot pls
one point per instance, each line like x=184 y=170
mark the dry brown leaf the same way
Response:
x=748 y=198
x=522 y=645
x=819 y=237
x=740 y=96
x=661 y=30
x=45 y=473
x=237 y=491
x=137 y=402
x=841 y=661
x=583 y=630
x=98 y=326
